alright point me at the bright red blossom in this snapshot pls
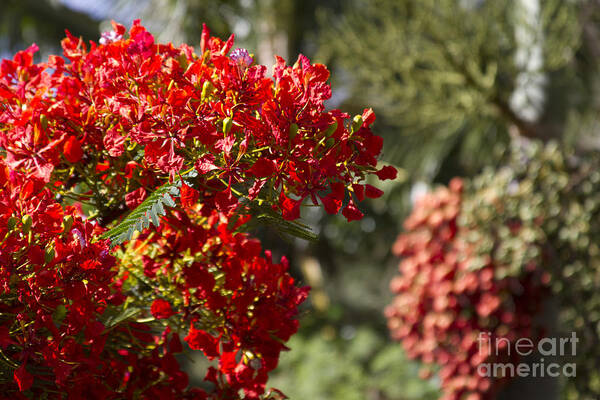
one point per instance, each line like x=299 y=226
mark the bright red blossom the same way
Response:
x=352 y=213
x=161 y=309
x=189 y=196
x=72 y=150
x=372 y=192
x=105 y=127
x=200 y=340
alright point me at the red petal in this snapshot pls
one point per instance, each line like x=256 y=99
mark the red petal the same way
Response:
x=225 y=201
x=200 y=340
x=135 y=198
x=372 y=192
x=352 y=213
x=23 y=378
x=338 y=190
x=359 y=190
x=72 y=150
x=387 y=172
x=161 y=309
x=114 y=143
x=262 y=168
x=331 y=204
x=368 y=116
x=290 y=208
x=189 y=196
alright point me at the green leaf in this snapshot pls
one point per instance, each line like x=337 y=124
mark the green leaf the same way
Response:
x=149 y=210
x=146 y=222
x=264 y=215
x=168 y=200
x=59 y=315
x=114 y=316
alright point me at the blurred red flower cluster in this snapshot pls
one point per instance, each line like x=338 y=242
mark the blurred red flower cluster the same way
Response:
x=452 y=305
x=84 y=137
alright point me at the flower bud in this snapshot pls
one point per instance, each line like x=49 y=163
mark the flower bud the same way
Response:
x=11 y=223
x=357 y=123
x=44 y=121
x=183 y=62
x=332 y=128
x=207 y=89
x=293 y=130
x=227 y=124
x=27 y=221
x=49 y=255
x=67 y=223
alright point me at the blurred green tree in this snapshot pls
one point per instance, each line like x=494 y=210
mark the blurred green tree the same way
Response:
x=268 y=27
x=454 y=82
x=23 y=22
x=451 y=79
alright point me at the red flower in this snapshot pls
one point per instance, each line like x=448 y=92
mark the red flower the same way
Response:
x=177 y=98
x=135 y=198
x=200 y=340
x=331 y=204
x=359 y=191
x=161 y=309
x=387 y=172
x=225 y=201
x=72 y=150
x=133 y=115
x=262 y=168
x=352 y=213
x=290 y=208
x=368 y=116
x=23 y=378
x=189 y=196
x=372 y=192
x=114 y=143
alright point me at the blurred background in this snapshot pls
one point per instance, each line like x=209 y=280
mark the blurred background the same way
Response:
x=451 y=82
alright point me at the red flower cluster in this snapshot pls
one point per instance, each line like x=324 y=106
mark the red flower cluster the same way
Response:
x=56 y=291
x=86 y=136
x=240 y=307
x=146 y=109
x=447 y=295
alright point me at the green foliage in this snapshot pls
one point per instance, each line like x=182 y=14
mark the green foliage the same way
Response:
x=154 y=205
x=362 y=366
x=149 y=210
x=23 y=22
x=265 y=216
x=441 y=73
x=116 y=315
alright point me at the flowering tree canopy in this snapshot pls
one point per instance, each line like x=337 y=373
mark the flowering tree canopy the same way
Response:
x=93 y=300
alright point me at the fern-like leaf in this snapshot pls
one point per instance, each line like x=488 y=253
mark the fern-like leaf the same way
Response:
x=153 y=207
x=148 y=211
x=264 y=215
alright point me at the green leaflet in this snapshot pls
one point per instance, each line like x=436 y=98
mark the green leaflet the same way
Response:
x=264 y=215
x=148 y=211
x=153 y=207
x=113 y=316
